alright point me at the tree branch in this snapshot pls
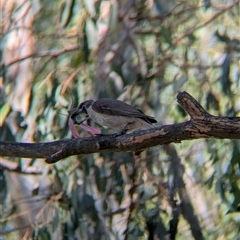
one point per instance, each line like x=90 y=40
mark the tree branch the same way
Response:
x=201 y=125
x=52 y=53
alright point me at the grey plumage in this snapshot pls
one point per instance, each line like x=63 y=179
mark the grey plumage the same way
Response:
x=115 y=114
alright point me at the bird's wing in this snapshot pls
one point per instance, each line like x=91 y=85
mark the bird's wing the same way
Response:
x=119 y=108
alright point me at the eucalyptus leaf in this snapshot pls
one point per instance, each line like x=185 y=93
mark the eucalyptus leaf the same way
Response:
x=179 y=83
x=4 y=110
x=91 y=32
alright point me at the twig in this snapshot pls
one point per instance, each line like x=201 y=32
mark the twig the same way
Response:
x=54 y=53
x=192 y=30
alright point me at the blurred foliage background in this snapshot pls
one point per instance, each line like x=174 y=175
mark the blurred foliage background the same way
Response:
x=56 y=54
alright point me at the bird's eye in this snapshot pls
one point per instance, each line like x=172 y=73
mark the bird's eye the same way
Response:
x=83 y=109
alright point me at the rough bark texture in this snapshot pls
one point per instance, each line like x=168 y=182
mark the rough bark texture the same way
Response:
x=201 y=125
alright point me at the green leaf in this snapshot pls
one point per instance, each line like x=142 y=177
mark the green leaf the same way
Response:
x=235 y=159
x=67 y=12
x=91 y=32
x=4 y=110
x=209 y=181
x=55 y=220
x=179 y=82
x=166 y=35
x=90 y=6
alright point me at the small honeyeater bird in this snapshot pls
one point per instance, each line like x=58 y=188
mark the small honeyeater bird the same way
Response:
x=114 y=114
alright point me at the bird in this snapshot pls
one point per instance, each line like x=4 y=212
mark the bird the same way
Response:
x=114 y=114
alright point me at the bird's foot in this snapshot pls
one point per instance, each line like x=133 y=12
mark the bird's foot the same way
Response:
x=122 y=132
x=126 y=128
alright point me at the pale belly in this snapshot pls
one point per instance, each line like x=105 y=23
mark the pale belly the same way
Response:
x=119 y=122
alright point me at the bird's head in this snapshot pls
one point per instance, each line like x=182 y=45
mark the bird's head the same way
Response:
x=81 y=109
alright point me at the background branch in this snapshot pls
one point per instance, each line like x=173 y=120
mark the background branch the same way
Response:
x=54 y=53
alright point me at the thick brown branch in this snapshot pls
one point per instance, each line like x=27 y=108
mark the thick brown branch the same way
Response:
x=206 y=123
x=201 y=125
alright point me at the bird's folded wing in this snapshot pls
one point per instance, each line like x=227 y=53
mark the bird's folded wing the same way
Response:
x=119 y=108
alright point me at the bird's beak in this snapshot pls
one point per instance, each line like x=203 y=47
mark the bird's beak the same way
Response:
x=81 y=109
x=72 y=111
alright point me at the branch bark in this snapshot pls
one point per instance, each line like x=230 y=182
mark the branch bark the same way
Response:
x=201 y=125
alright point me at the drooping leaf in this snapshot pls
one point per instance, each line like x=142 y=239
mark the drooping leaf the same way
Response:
x=4 y=110
x=225 y=79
